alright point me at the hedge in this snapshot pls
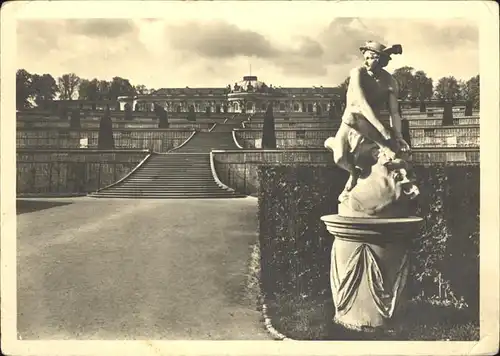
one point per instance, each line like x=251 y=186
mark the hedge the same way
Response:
x=295 y=245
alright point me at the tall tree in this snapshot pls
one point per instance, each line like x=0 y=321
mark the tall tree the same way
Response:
x=120 y=86
x=68 y=84
x=447 y=89
x=89 y=90
x=469 y=90
x=24 y=90
x=44 y=88
x=141 y=89
x=268 y=129
x=103 y=90
x=421 y=88
x=405 y=79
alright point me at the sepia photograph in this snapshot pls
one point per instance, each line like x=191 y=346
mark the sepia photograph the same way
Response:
x=249 y=177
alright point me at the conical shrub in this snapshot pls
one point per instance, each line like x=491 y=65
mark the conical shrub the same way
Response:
x=106 y=140
x=268 y=129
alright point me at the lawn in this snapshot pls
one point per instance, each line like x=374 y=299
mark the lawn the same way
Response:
x=311 y=319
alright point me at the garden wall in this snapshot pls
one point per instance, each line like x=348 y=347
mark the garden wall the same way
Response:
x=304 y=123
x=421 y=136
x=72 y=171
x=117 y=125
x=295 y=245
x=159 y=140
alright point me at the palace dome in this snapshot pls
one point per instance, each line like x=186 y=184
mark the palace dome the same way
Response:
x=249 y=83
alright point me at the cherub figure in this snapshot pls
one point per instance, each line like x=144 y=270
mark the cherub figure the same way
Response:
x=371 y=89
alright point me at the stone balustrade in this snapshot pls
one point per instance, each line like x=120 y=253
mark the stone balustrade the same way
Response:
x=204 y=125
x=421 y=136
x=159 y=140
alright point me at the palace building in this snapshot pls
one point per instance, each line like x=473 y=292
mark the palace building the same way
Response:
x=246 y=96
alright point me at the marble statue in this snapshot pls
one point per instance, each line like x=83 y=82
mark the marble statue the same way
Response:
x=377 y=157
x=370 y=260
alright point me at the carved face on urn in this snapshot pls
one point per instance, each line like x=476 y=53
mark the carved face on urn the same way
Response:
x=383 y=189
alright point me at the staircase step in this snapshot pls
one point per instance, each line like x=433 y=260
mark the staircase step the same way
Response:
x=163 y=192
x=179 y=173
x=182 y=174
x=166 y=195
x=169 y=197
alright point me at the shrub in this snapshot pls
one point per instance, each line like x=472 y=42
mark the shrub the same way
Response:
x=161 y=115
x=268 y=129
x=191 y=114
x=128 y=112
x=74 y=122
x=295 y=246
x=105 y=139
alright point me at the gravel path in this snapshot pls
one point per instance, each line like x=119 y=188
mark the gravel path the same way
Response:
x=137 y=269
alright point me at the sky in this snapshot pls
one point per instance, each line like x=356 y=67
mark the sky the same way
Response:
x=204 y=45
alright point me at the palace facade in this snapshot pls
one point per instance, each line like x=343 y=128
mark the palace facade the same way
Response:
x=246 y=96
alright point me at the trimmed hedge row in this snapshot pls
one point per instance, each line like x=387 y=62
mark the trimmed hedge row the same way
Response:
x=295 y=245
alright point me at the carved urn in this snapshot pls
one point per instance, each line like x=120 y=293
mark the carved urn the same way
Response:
x=372 y=233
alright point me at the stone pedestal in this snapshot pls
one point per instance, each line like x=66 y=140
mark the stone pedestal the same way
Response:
x=369 y=268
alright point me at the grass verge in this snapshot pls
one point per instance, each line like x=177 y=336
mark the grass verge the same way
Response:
x=311 y=319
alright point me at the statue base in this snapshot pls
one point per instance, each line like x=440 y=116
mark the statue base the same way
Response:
x=369 y=268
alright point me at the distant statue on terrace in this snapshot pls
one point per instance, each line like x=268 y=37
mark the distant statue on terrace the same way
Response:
x=376 y=156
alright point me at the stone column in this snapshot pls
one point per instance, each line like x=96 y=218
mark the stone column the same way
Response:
x=369 y=269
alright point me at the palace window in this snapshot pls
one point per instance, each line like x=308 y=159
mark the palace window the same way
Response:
x=296 y=107
x=282 y=106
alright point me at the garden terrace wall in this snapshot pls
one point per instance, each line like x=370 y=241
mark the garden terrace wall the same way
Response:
x=238 y=169
x=79 y=171
x=425 y=136
x=158 y=140
x=295 y=245
x=94 y=124
x=35 y=115
x=334 y=124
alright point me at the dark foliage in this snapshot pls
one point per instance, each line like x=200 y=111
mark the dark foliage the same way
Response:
x=191 y=114
x=63 y=112
x=162 y=117
x=468 y=108
x=423 y=107
x=268 y=129
x=447 y=114
x=128 y=112
x=405 y=131
x=296 y=247
x=74 y=122
x=106 y=140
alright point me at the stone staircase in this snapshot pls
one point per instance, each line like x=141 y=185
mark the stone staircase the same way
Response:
x=182 y=173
